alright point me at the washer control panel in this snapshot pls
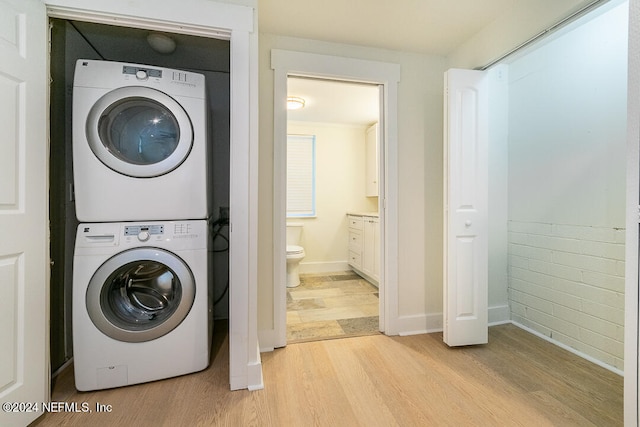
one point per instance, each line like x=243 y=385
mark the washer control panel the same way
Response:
x=93 y=238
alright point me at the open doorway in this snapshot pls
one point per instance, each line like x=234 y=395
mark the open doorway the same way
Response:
x=386 y=76
x=332 y=218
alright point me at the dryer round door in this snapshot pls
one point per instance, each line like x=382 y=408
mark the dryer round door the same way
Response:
x=140 y=294
x=139 y=132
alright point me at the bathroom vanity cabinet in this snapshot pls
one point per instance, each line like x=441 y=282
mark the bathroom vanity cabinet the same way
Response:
x=364 y=245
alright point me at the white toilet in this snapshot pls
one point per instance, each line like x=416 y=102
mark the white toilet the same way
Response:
x=295 y=253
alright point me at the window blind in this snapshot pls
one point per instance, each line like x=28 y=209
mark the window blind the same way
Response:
x=301 y=176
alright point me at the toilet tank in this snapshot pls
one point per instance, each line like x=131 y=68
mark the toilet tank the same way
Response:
x=294 y=233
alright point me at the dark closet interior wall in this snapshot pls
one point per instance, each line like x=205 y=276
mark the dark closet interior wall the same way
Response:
x=65 y=47
x=72 y=40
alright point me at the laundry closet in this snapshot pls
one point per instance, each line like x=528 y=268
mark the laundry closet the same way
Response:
x=73 y=40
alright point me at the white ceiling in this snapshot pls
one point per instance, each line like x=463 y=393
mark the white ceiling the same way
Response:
x=433 y=27
x=334 y=102
x=424 y=26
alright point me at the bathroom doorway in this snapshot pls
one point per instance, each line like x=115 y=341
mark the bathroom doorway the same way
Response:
x=332 y=208
x=387 y=76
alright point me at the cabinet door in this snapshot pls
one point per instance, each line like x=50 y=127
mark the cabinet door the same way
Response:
x=355 y=259
x=376 y=249
x=369 y=255
x=371 y=167
x=356 y=241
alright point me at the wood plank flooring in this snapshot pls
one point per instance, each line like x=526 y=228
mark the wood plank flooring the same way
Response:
x=516 y=380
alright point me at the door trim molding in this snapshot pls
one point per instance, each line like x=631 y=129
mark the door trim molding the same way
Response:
x=238 y=24
x=289 y=63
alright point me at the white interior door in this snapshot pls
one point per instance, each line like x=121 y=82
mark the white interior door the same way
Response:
x=24 y=255
x=465 y=307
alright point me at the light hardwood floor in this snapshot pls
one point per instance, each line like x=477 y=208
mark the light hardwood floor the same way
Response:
x=515 y=380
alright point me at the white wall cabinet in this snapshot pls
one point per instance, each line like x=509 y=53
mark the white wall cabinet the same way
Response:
x=364 y=246
x=371 y=158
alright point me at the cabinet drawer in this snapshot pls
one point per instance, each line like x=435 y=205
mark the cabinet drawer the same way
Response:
x=355 y=222
x=355 y=259
x=355 y=241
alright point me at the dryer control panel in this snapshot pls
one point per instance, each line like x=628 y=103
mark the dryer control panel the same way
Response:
x=110 y=75
x=143 y=232
x=141 y=73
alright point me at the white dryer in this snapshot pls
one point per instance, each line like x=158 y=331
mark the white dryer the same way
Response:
x=139 y=142
x=141 y=302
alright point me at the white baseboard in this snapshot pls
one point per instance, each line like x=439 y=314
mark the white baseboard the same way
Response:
x=266 y=340
x=419 y=324
x=499 y=314
x=570 y=349
x=269 y=340
x=432 y=322
x=254 y=372
x=323 y=267
x=429 y=323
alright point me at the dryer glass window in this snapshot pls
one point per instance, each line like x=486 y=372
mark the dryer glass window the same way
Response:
x=138 y=130
x=140 y=295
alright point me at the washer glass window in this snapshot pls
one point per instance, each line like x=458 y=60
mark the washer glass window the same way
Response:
x=138 y=130
x=140 y=295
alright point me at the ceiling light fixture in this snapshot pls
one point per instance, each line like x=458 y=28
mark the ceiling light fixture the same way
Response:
x=161 y=43
x=294 y=103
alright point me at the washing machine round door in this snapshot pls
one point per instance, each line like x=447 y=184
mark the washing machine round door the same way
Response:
x=139 y=132
x=140 y=294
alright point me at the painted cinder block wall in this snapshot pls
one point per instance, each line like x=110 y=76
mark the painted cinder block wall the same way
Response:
x=567 y=282
x=566 y=187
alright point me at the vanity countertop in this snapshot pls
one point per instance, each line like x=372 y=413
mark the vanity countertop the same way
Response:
x=373 y=214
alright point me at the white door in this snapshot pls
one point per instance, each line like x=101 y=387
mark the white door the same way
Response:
x=466 y=261
x=24 y=232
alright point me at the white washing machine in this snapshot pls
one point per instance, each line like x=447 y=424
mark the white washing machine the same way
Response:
x=139 y=142
x=141 y=302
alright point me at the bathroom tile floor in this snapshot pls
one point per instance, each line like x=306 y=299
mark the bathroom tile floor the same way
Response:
x=331 y=305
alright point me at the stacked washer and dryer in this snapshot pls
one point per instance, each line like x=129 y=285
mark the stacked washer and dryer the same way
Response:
x=141 y=296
